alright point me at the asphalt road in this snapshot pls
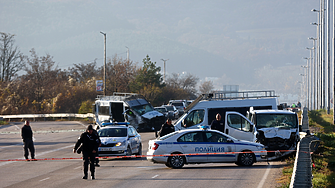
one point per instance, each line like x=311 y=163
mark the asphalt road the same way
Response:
x=56 y=140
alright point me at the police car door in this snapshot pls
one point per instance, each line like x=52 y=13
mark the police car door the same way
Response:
x=132 y=140
x=239 y=127
x=219 y=143
x=192 y=143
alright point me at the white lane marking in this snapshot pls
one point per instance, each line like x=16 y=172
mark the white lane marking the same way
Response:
x=38 y=154
x=45 y=179
x=77 y=167
x=155 y=176
x=261 y=183
x=17 y=127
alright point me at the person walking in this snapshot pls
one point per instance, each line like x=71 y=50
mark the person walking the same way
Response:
x=28 y=143
x=218 y=124
x=166 y=128
x=89 y=145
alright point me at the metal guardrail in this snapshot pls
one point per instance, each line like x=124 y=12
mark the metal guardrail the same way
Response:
x=34 y=116
x=302 y=170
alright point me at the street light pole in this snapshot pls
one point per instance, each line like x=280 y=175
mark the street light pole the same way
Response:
x=313 y=79
x=164 y=69
x=104 y=62
x=318 y=60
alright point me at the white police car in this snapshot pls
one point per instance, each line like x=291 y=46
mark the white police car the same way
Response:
x=119 y=139
x=203 y=146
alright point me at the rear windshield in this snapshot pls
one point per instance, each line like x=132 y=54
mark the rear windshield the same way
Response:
x=169 y=108
x=177 y=104
x=113 y=132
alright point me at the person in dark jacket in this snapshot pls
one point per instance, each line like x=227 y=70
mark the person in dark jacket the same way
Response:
x=166 y=128
x=89 y=145
x=218 y=124
x=27 y=136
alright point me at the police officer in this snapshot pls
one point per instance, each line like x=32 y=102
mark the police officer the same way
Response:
x=217 y=124
x=89 y=142
x=167 y=128
x=27 y=136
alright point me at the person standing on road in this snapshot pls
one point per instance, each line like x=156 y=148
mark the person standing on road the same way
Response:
x=27 y=136
x=89 y=142
x=218 y=124
x=166 y=128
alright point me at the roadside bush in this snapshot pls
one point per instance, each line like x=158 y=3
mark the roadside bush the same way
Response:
x=85 y=107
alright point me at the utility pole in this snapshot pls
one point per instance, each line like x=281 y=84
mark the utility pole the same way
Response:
x=127 y=53
x=164 y=69
x=104 y=62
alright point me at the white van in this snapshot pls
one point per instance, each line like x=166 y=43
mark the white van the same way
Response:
x=233 y=112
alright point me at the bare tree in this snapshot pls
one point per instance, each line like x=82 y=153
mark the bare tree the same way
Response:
x=206 y=87
x=186 y=82
x=11 y=59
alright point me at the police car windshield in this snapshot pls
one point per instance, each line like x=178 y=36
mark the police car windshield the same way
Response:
x=113 y=132
x=167 y=136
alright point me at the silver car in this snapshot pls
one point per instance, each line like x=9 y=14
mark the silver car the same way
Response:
x=173 y=112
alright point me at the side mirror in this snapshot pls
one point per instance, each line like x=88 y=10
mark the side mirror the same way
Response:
x=229 y=140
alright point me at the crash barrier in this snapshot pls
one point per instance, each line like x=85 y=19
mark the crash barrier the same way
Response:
x=44 y=116
x=302 y=170
x=163 y=155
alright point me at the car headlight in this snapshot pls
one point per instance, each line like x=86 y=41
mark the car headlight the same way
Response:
x=118 y=144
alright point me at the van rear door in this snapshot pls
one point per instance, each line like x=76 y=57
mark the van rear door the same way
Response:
x=239 y=127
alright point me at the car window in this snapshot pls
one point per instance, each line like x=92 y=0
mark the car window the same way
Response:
x=131 y=132
x=215 y=137
x=114 y=132
x=237 y=122
x=195 y=117
x=191 y=137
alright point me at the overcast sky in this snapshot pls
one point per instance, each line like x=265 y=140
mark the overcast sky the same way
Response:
x=256 y=44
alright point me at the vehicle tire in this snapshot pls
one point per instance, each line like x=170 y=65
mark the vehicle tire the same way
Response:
x=139 y=151
x=246 y=159
x=128 y=152
x=176 y=161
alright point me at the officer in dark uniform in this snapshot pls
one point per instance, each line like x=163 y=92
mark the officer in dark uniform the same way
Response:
x=218 y=124
x=89 y=142
x=166 y=128
x=27 y=136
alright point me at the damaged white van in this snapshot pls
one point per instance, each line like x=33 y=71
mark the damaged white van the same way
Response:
x=277 y=130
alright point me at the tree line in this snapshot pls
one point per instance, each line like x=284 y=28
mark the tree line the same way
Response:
x=45 y=88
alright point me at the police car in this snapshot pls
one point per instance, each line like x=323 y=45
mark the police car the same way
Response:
x=203 y=146
x=119 y=139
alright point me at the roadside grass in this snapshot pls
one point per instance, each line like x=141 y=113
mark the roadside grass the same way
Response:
x=321 y=124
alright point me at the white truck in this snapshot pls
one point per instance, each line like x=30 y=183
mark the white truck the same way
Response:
x=127 y=107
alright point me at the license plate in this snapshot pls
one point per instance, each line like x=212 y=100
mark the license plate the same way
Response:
x=105 y=149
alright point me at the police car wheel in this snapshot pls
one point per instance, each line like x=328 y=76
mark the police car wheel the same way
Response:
x=176 y=161
x=246 y=159
x=128 y=151
x=139 y=151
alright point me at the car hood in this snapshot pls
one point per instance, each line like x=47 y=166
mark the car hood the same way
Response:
x=152 y=114
x=249 y=143
x=277 y=132
x=106 y=140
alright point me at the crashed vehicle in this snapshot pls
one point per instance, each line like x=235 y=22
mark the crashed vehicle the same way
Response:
x=277 y=130
x=127 y=107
